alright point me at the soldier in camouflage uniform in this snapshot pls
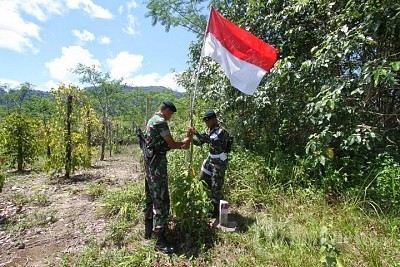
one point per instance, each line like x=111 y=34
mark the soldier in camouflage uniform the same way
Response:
x=157 y=202
x=214 y=166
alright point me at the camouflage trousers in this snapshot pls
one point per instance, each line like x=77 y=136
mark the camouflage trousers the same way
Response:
x=157 y=201
x=213 y=175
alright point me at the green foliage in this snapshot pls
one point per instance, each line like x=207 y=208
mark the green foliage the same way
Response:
x=252 y=178
x=117 y=231
x=22 y=221
x=328 y=248
x=95 y=190
x=386 y=185
x=140 y=256
x=15 y=97
x=177 y=13
x=332 y=96
x=19 y=144
x=2 y=180
x=59 y=139
x=189 y=200
x=40 y=199
x=125 y=203
x=95 y=255
x=105 y=94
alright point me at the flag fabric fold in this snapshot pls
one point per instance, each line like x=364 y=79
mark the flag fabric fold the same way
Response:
x=244 y=57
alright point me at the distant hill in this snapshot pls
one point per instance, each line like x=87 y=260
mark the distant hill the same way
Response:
x=126 y=90
x=153 y=89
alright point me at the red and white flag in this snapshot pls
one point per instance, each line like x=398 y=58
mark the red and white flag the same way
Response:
x=244 y=57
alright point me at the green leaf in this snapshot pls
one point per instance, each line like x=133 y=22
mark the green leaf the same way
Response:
x=395 y=65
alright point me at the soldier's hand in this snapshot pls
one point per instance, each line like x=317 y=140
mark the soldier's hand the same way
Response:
x=186 y=143
x=185 y=146
x=190 y=132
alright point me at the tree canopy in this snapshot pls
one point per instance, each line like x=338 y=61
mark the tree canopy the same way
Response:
x=332 y=96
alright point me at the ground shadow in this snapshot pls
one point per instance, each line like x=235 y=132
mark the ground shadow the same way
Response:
x=193 y=242
x=76 y=178
x=204 y=237
x=243 y=222
x=12 y=173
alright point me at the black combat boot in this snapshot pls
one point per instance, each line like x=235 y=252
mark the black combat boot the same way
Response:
x=161 y=243
x=148 y=228
x=215 y=213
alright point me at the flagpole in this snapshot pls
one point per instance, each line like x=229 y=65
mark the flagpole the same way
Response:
x=195 y=90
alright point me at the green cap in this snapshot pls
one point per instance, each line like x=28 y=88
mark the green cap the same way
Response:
x=209 y=114
x=169 y=105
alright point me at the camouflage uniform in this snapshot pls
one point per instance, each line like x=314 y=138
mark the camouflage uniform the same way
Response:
x=214 y=166
x=157 y=201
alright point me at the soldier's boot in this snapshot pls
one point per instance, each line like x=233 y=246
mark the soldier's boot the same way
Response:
x=215 y=213
x=148 y=228
x=161 y=243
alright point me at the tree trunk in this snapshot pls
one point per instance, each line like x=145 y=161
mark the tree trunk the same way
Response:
x=103 y=137
x=68 y=146
x=20 y=158
x=109 y=138
x=89 y=137
x=48 y=149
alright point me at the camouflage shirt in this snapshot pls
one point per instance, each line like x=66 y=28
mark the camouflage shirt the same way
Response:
x=156 y=129
x=216 y=138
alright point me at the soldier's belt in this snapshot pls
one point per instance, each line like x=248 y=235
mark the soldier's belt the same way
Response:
x=223 y=156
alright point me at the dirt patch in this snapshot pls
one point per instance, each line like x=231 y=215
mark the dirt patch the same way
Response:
x=41 y=217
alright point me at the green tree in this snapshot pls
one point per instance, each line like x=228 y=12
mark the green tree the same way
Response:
x=332 y=96
x=69 y=131
x=106 y=93
x=19 y=143
x=15 y=97
x=42 y=109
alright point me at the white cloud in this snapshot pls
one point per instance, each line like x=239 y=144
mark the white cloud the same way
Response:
x=9 y=83
x=120 y=9
x=169 y=81
x=131 y=4
x=83 y=36
x=90 y=8
x=15 y=33
x=104 y=40
x=61 y=68
x=41 y=9
x=144 y=80
x=124 y=64
x=131 y=26
x=155 y=79
x=51 y=85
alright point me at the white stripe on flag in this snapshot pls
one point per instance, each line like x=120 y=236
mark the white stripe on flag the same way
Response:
x=242 y=75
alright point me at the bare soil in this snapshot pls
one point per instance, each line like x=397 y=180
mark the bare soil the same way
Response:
x=42 y=217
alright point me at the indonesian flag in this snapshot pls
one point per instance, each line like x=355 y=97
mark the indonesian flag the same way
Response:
x=244 y=58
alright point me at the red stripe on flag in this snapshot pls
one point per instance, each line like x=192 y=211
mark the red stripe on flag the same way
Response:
x=241 y=43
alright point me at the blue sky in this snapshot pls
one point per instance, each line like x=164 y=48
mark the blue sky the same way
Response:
x=41 y=40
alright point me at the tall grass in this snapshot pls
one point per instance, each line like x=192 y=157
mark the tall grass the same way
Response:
x=281 y=221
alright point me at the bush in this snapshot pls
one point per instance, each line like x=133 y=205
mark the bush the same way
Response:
x=385 y=189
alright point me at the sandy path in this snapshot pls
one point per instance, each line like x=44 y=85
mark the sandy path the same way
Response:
x=68 y=221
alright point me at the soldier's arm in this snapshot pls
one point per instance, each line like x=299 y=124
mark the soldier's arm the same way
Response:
x=166 y=135
x=175 y=145
x=201 y=138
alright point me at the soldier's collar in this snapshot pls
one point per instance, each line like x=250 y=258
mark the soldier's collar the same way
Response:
x=217 y=126
x=160 y=114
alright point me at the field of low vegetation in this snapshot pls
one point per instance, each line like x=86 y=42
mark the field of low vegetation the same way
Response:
x=96 y=219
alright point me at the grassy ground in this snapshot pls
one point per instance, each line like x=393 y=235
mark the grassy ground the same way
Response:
x=292 y=228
